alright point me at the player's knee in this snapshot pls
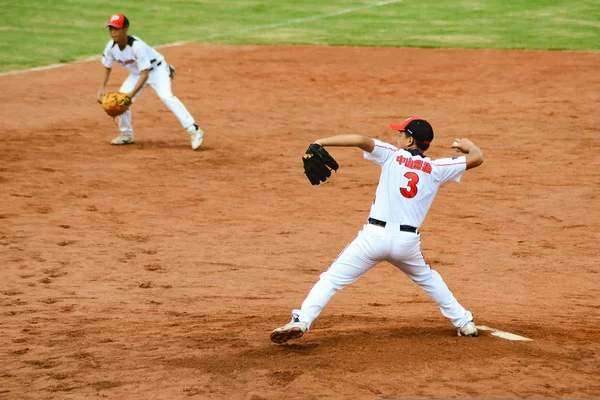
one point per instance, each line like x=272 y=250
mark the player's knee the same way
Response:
x=422 y=278
x=336 y=281
x=167 y=98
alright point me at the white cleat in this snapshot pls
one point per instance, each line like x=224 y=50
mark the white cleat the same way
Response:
x=469 y=329
x=197 y=136
x=293 y=330
x=123 y=138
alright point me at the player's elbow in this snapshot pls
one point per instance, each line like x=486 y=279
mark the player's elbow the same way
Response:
x=474 y=159
x=366 y=144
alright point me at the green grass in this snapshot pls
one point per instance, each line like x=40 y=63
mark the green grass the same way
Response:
x=42 y=32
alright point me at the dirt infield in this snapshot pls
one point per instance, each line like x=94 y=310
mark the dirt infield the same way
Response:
x=151 y=271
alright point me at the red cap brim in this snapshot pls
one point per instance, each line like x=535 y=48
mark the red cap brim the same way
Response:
x=402 y=126
x=398 y=127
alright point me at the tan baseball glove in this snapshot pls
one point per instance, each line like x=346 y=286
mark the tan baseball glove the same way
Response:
x=116 y=103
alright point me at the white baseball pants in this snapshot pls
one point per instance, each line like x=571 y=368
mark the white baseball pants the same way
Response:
x=160 y=81
x=373 y=245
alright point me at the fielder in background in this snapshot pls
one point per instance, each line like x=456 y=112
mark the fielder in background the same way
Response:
x=146 y=67
x=407 y=186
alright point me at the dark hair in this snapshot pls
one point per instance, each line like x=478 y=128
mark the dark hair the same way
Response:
x=420 y=145
x=125 y=22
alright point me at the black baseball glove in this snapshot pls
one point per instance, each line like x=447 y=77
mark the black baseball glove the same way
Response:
x=318 y=164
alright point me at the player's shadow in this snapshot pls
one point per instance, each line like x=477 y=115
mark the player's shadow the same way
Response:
x=299 y=347
x=328 y=338
x=170 y=145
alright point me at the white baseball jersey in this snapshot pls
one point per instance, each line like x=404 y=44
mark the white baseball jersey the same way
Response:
x=135 y=57
x=408 y=183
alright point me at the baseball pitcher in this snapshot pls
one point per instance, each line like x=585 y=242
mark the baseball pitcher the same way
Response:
x=407 y=186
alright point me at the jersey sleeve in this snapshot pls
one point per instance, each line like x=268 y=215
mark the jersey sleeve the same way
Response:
x=381 y=153
x=143 y=54
x=107 y=58
x=449 y=169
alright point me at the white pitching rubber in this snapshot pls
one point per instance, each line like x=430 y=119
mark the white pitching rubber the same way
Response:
x=504 y=335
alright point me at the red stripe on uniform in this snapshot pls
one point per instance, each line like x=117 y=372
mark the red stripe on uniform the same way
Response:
x=342 y=252
x=447 y=165
x=387 y=148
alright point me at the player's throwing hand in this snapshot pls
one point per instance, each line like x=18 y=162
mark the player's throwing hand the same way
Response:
x=463 y=145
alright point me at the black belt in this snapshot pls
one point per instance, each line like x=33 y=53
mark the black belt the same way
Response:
x=157 y=65
x=403 y=228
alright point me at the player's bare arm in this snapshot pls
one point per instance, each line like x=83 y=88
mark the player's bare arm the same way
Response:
x=474 y=155
x=363 y=142
x=140 y=83
x=105 y=79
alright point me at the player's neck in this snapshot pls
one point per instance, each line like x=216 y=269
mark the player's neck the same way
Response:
x=122 y=43
x=414 y=150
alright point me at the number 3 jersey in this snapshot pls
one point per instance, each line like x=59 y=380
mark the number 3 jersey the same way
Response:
x=409 y=183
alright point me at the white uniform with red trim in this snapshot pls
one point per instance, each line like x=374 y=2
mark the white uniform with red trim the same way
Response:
x=407 y=186
x=136 y=57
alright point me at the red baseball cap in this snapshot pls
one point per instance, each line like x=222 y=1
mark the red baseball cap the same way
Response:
x=416 y=127
x=118 y=21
